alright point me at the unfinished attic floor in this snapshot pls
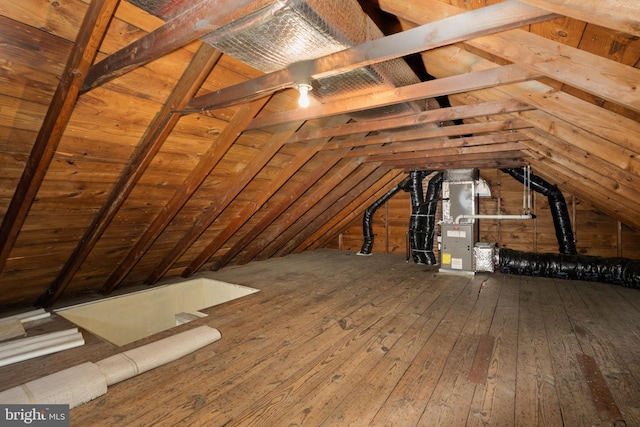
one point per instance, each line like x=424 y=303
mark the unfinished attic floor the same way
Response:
x=335 y=339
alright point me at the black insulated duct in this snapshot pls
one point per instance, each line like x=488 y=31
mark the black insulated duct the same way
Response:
x=417 y=220
x=558 y=206
x=367 y=225
x=430 y=207
x=616 y=271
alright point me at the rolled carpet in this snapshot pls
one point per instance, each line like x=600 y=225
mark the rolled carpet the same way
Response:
x=87 y=381
x=130 y=363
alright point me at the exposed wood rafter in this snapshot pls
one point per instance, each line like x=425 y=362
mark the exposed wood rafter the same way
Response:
x=92 y=31
x=491 y=19
x=193 y=77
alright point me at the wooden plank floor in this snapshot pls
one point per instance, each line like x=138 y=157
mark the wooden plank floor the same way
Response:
x=334 y=339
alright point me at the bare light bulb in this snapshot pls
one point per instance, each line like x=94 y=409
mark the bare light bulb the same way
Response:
x=303 y=100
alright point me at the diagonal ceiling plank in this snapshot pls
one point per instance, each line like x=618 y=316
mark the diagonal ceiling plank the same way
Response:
x=247 y=211
x=195 y=74
x=323 y=199
x=340 y=212
x=92 y=30
x=430 y=116
x=506 y=74
x=603 y=200
x=584 y=144
x=198 y=174
x=195 y=22
x=619 y=157
x=487 y=20
x=557 y=148
x=288 y=170
x=322 y=241
x=326 y=209
x=606 y=137
x=329 y=161
x=305 y=200
x=615 y=14
x=624 y=195
x=230 y=192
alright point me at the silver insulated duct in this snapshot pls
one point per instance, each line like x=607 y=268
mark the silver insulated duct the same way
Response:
x=289 y=31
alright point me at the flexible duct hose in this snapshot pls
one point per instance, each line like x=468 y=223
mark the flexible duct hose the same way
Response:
x=431 y=205
x=617 y=271
x=417 y=220
x=367 y=224
x=558 y=206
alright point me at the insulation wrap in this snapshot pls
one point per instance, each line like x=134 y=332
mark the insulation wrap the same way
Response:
x=558 y=206
x=613 y=270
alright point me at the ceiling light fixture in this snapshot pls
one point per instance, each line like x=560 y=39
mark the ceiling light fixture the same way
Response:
x=304 y=89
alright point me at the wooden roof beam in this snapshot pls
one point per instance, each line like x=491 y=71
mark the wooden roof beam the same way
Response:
x=199 y=173
x=437 y=145
x=614 y=14
x=459 y=161
x=429 y=164
x=92 y=30
x=194 y=75
x=490 y=19
x=481 y=151
x=585 y=115
x=504 y=75
x=195 y=22
x=431 y=116
x=430 y=135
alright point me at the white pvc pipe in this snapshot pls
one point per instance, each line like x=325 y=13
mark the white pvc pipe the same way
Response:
x=29 y=315
x=523 y=216
x=41 y=349
x=23 y=342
